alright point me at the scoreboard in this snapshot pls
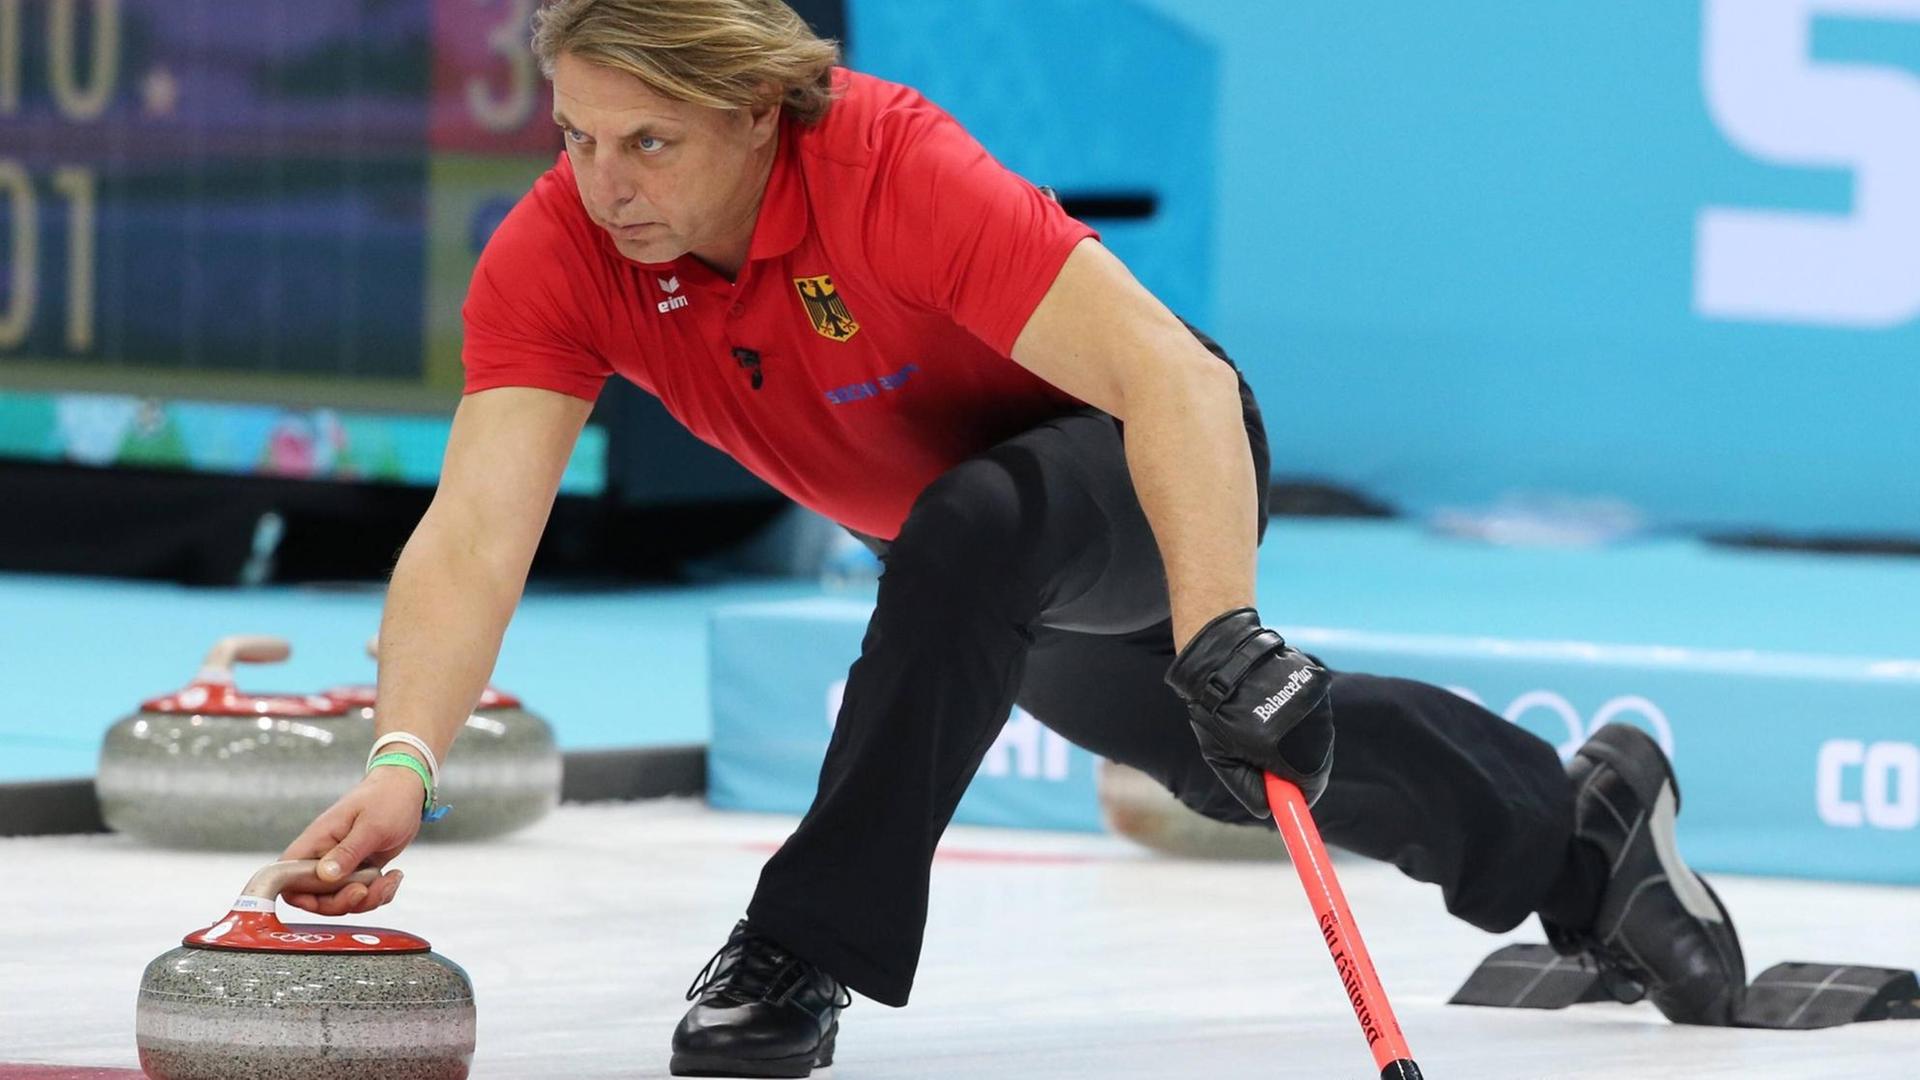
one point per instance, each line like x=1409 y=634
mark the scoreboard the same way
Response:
x=235 y=234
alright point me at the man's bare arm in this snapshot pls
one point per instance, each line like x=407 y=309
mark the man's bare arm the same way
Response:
x=1102 y=337
x=453 y=592
x=462 y=572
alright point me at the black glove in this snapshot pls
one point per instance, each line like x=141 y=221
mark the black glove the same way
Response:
x=1257 y=705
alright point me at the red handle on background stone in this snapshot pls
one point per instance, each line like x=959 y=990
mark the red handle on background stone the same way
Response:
x=242 y=649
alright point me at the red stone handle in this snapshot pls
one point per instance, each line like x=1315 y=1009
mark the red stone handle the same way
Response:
x=241 y=649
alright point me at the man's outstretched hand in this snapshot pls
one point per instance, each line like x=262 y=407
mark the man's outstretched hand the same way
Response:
x=368 y=826
x=1258 y=705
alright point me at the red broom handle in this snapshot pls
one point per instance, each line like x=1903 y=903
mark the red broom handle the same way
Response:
x=1350 y=959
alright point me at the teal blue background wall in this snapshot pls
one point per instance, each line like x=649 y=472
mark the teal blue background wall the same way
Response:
x=1459 y=246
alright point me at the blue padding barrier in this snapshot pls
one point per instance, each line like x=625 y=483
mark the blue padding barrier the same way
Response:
x=1797 y=766
x=778 y=670
x=1792 y=765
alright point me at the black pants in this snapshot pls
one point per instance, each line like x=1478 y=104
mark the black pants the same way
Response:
x=1029 y=575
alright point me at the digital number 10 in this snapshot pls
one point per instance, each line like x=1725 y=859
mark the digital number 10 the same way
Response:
x=76 y=100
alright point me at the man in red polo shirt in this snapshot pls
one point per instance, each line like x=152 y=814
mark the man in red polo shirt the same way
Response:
x=826 y=277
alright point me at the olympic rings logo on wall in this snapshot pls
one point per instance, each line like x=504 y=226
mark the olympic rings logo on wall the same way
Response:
x=299 y=939
x=1579 y=730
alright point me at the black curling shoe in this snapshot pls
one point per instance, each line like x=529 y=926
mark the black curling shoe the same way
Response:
x=758 y=1010
x=1660 y=931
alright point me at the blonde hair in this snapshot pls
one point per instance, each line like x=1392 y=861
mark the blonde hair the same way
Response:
x=720 y=53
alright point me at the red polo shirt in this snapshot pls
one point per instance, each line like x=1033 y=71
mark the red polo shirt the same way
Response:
x=863 y=349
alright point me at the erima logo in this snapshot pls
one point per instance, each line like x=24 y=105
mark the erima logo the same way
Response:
x=671 y=285
x=1278 y=701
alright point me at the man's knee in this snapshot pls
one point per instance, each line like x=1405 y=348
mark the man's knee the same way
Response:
x=968 y=531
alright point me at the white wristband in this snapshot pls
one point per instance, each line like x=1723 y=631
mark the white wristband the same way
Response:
x=414 y=743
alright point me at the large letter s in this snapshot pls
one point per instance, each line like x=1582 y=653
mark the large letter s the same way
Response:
x=1772 y=101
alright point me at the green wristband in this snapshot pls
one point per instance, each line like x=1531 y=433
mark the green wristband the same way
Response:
x=408 y=761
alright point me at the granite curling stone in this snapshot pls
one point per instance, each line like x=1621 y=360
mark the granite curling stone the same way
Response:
x=503 y=773
x=214 y=767
x=1138 y=808
x=252 y=998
